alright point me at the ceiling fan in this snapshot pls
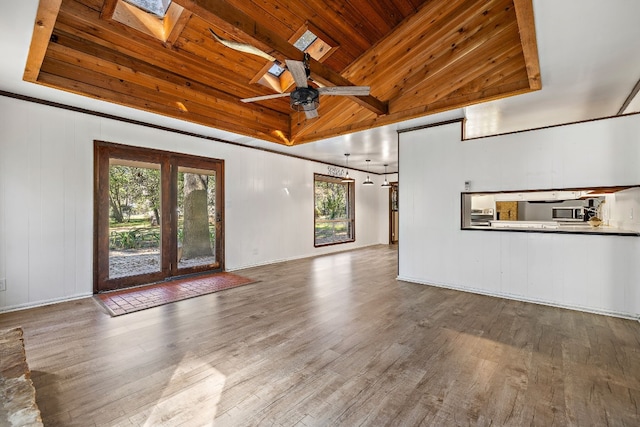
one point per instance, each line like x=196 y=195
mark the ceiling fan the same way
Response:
x=304 y=97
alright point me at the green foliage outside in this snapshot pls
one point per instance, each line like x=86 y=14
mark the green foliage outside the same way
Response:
x=331 y=232
x=331 y=206
x=133 y=191
x=131 y=222
x=144 y=236
x=134 y=202
x=135 y=238
x=331 y=200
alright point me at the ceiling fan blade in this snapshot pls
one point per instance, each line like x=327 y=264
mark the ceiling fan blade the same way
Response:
x=265 y=97
x=311 y=114
x=345 y=90
x=242 y=47
x=298 y=71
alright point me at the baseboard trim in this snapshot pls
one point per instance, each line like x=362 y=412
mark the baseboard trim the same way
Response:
x=42 y=303
x=277 y=261
x=520 y=298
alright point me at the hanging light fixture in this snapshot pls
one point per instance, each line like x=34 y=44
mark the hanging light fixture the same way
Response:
x=368 y=180
x=347 y=178
x=385 y=184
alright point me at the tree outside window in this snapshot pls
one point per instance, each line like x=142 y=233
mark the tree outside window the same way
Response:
x=334 y=216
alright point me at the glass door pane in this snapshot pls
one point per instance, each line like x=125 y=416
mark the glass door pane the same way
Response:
x=197 y=218
x=134 y=218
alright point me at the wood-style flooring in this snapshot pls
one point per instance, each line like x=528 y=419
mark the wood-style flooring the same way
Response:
x=334 y=340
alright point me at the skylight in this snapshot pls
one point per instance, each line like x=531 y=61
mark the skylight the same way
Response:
x=155 y=7
x=276 y=70
x=308 y=39
x=305 y=40
x=302 y=43
x=136 y=14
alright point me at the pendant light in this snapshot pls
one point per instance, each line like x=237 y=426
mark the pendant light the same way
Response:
x=347 y=178
x=368 y=180
x=385 y=184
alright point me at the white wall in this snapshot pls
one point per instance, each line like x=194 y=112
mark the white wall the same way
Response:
x=588 y=272
x=46 y=200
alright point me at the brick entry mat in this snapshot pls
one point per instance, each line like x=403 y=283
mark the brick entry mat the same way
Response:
x=140 y=298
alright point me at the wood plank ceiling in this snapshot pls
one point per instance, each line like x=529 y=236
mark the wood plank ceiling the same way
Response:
x=418 y=56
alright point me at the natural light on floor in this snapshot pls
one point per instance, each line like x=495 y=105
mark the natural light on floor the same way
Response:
x=191 y=395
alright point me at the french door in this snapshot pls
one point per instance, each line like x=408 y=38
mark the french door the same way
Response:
x=157 y=215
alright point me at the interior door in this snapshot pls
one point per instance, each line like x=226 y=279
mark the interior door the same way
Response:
x=393 y=213
x=158 y=215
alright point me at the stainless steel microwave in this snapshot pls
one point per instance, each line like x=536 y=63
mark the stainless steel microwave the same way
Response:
x=568 y=213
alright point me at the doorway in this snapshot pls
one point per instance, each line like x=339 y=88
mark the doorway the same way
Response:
x=157 y=215
x=393 y=213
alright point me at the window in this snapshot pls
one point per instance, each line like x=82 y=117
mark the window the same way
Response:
x=334 y=213
x=305 y=40
x=312 y=40
x=276 y=70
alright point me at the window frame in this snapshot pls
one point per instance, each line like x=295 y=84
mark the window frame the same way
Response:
x=350 y=203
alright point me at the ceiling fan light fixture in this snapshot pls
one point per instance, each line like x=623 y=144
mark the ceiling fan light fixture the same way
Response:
x=304 y=99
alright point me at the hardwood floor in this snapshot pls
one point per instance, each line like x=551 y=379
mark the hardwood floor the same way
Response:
x=332 y=340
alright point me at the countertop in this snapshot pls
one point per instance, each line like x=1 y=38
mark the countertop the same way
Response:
x=553 y=227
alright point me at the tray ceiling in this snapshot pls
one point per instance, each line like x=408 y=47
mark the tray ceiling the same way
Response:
x=419 y=57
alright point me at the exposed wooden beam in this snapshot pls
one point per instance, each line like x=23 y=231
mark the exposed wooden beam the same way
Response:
x=229 y=18
x=42 y=29
x=108 y=8
x=174 y=29
x=527 y=28
x=328 y=77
